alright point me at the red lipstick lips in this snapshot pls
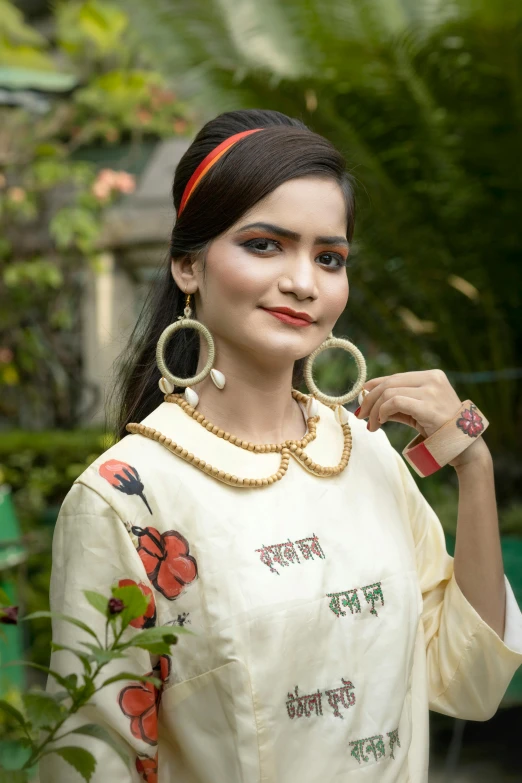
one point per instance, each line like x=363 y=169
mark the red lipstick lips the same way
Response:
x=289 y=316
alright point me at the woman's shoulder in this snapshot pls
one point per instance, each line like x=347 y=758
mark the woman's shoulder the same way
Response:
x=124 y=477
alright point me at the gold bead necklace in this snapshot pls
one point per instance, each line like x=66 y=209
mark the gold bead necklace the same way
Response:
x=295 y=448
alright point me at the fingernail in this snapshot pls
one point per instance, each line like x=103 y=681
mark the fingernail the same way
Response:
x=356 y=413
x=368 y=426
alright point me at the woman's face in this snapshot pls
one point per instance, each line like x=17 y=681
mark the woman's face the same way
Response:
x=289 y=251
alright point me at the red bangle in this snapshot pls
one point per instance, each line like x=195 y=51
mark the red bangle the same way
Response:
x=427 y=455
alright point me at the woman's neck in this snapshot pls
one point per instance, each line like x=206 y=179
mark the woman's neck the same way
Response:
x=256 y=403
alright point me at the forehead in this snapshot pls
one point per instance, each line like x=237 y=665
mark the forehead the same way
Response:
x=307 y=205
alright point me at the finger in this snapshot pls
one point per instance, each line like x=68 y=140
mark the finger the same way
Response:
x=373 y=382
x=403 y=405
x=403 y=418
x=374 y=413
x=384 y=392
x=411 y=379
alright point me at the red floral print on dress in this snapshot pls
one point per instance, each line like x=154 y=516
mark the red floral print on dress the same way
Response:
x=148 y=619
x=124 y=477
x=470 y=422
x=148 y=769
x=166 y=559
x=162 y=668
x=140 y=702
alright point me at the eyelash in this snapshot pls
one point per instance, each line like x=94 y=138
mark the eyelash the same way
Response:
x=250 y=242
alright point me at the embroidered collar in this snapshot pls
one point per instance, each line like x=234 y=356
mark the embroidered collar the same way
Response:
x=324 y=451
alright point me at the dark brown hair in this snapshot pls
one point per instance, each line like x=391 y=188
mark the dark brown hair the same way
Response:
x=247 y=173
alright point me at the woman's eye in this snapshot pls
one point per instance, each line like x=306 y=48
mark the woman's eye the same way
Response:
x=332 y=260
x=262 y=245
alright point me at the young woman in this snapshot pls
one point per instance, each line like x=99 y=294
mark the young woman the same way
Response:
x=284 y=531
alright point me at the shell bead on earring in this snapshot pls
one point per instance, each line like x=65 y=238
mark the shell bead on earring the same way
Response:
x=362 y=395
x=166 y=386
x=168 y=381
x=191 y=396
x=313 y=407
x=341 y=414
x=218 y=378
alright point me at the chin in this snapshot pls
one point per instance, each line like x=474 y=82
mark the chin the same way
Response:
x=289 y=347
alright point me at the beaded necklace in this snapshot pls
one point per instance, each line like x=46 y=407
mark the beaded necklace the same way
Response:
x=294 y=448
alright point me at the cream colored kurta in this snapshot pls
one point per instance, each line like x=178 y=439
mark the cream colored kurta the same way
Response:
x=325 y=613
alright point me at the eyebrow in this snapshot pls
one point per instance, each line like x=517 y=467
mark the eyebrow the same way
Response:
x=285 y=233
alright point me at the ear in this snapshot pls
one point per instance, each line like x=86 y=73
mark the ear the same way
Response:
x=184 y=274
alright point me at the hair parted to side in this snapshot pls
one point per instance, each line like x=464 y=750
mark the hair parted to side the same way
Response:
x=248 y=172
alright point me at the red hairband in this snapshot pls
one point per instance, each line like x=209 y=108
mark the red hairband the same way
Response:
x=207 y=163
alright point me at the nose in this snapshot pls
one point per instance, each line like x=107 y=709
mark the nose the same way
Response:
x=299 y=277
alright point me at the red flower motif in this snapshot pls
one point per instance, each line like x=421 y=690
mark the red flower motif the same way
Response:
x=162 y=668
x=470 y=422
x=166 y=559
x=124 y=477
x=148 y=769
x=148 y=619
x=140 y=702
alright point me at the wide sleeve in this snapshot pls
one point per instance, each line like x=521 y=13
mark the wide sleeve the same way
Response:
x=92 y=550
x=469 y=667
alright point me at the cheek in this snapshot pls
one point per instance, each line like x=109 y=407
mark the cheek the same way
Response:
x=335 y=294
x=235 y=276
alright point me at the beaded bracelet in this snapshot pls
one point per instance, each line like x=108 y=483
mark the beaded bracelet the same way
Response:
x=427 y=455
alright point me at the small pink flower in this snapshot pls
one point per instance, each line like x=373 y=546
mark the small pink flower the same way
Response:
x=144 y=116
x=109 y=180
x=161 y=97
x=125 y=183
x=106 y=175
x=16 y=194
x=180 y=126
x=101 y=191
x=6 y=355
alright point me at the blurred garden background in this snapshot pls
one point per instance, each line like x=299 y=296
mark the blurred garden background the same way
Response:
x=99 y=100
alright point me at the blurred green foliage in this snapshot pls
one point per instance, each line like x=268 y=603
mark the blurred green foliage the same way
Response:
x=424 y=99
x=9 y=727
x=40 y=468
x=90 y=85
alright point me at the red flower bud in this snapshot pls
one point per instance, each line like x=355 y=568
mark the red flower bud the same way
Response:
x=115 y=605
x=9 y=615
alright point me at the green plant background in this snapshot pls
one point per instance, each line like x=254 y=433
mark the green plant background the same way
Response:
x=424 y=99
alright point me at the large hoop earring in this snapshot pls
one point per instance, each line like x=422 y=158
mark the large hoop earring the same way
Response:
x=346 y=345
x=168 y=380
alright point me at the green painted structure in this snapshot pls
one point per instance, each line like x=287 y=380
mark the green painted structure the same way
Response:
x=12 y=554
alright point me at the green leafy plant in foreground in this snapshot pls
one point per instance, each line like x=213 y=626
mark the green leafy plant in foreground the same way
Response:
x=43 y=722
